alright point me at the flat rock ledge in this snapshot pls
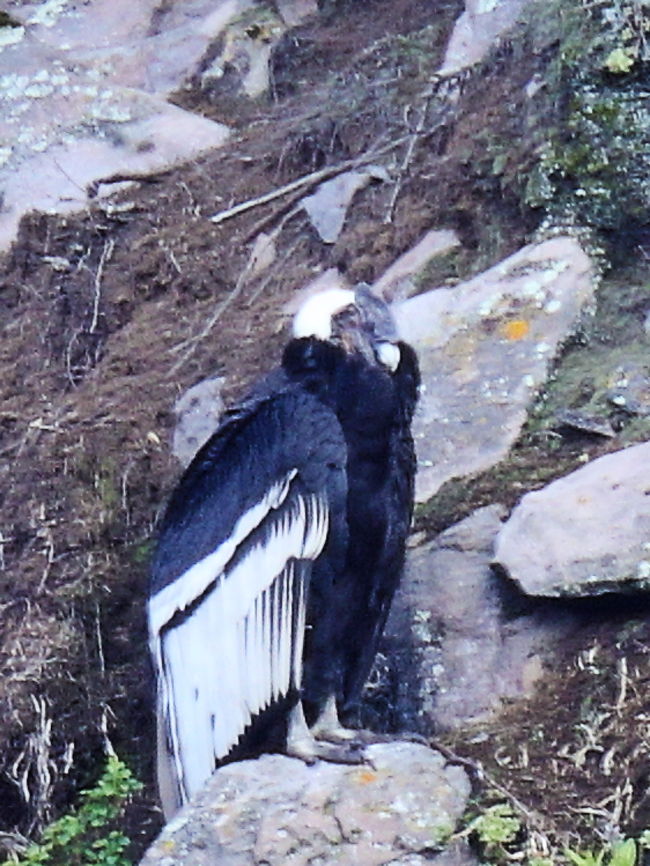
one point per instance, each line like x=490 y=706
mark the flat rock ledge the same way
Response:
x=399 y=808
x=585 y=534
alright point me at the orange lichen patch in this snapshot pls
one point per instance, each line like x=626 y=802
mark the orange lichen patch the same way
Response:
x=516 y=329
x=365 y=777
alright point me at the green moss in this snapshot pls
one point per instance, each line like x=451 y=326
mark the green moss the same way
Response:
x=450 y=267
x=140 y=553
x=7 y=21
x=593 y=168
x=613 y=340
x=441 y=834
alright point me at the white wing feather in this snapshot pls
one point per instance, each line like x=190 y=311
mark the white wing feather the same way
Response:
x=240 y=647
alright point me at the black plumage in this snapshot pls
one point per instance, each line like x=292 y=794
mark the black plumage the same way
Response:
x=281 y=549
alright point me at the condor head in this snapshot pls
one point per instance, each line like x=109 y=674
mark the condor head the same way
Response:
x=358 y=321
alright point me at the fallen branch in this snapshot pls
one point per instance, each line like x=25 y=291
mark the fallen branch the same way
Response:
x=412 y=141
x=479 y=771
x=107 y=252
x=305 y=182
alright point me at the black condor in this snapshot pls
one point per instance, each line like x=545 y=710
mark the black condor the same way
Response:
x=281 y=548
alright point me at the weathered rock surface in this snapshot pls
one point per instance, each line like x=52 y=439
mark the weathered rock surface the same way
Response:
x=630 y=388
x=328 y=205
x=485 y=347
x=471 y=644
x=197 y=413
x=295 y=11
x=476 y=30
x=398 y=809
x=585 y=534
x=399 y=280
x=83 y=91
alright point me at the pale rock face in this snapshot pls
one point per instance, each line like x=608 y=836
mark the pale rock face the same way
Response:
x=485 y=346
x=83 y=95
x=476 y=30
x=278 y=811
x=399 y=280
x=585 y=534
x=454 y=653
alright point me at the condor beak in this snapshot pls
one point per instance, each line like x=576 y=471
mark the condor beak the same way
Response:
x=389 y=355
x=386 y=353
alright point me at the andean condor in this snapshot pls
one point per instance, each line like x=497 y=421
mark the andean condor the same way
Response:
x=281 y=549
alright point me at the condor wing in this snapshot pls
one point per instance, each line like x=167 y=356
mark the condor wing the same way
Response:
x=230 y=579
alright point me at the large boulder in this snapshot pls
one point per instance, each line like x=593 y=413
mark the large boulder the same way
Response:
x=458 y=642
x=485 y=348
x=398 y=809
x=84 y=92
x=585 y=534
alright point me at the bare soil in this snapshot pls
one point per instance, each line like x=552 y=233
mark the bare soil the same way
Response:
x=573 y=761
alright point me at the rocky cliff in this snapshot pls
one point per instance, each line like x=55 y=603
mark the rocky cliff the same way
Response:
x=173 y=177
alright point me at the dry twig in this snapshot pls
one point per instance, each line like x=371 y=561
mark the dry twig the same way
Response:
x=428 y=94
x=107 y=252
x=477 y=769
x=623 y=679
x=305 y=182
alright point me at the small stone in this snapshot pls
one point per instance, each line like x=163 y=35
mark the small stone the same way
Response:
x=198 y=412
x=328 y=206
x=584 y=422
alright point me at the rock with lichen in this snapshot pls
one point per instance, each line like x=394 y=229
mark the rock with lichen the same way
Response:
x=485 y=347
x=401 y=807
x=585 y=534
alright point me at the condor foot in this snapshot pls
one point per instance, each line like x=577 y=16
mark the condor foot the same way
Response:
x=369 y=737
x=324 y=742
x=310 y=750
x=363 y=737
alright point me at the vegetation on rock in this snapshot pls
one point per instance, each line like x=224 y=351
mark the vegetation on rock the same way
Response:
x=594 y=163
